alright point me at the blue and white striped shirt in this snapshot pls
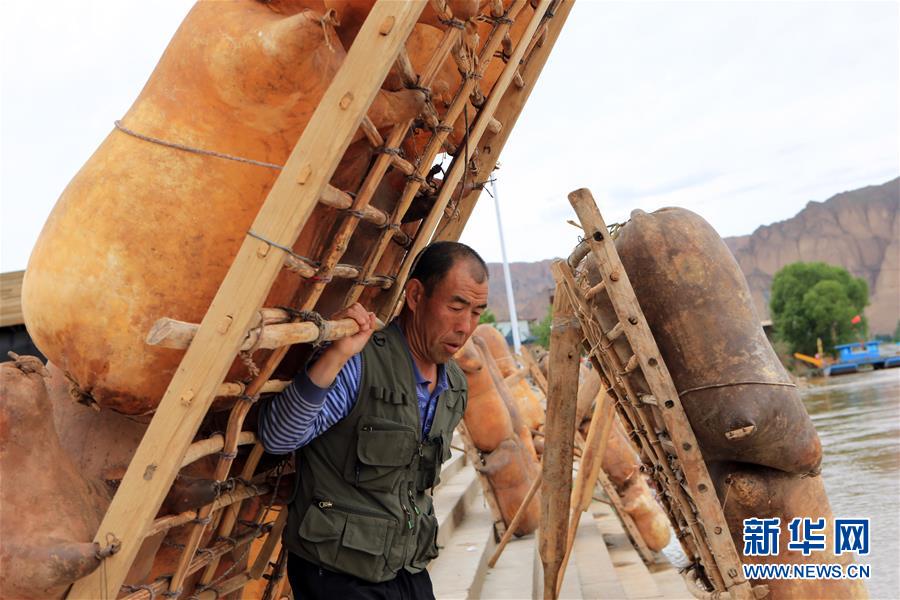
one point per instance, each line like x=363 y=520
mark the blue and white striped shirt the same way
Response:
x=304 y=411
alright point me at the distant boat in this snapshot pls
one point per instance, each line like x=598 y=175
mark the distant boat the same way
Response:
x=858 y=354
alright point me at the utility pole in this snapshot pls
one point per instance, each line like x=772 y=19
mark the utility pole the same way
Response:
x=513 y=318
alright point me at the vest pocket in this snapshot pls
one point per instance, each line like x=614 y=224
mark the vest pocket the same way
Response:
x=426 y=541
x=350 y=542
x=428 y=475
x=383 y=449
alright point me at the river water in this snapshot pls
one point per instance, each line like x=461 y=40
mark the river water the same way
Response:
x=858 y=420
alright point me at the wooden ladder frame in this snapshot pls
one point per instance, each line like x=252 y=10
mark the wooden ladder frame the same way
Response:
x=234 y=321
x=675 y=463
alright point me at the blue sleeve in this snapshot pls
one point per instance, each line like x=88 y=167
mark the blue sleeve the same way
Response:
x=304 y=411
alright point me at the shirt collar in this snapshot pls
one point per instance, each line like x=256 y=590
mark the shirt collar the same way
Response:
x=442 y=383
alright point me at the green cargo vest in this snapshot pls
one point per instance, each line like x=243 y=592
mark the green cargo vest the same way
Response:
x=361 y=505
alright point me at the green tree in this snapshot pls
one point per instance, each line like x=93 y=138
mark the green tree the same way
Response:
x=897 y=332
x=487 y=317
x=816 y=300
x=541 y=331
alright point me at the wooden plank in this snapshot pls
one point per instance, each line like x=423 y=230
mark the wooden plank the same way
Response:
x=490 y=146
x=11 y=299
x=663 y=388
x=565 y=351
x=245 y=287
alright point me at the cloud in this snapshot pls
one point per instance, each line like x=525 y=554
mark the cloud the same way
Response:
x=741 y=111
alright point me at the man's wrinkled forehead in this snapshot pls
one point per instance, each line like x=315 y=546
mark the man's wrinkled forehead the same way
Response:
x=465 y=285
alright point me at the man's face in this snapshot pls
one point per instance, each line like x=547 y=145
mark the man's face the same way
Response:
x=443 y=321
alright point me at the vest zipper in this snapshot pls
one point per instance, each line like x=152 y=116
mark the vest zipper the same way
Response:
x=409 y=522
x=412 y=501
x=327 y=504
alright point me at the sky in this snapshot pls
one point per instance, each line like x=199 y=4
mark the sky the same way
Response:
x=741 y=111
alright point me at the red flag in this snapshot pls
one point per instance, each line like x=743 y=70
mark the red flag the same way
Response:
x=855 y=320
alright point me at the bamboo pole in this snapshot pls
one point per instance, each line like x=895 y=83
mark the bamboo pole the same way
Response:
x=239 y=493
x=373 y=180
x=211 y=445
x=230 y=516
x=198 y=563
x=170 y=333
x=262 y=559
x=434 y=147
x=514 y=99
x=565 y=341
x=308 y=270
x=278 y=577
x=236 y=388
x=460 y=162
x=290 y=202
x=591 y=461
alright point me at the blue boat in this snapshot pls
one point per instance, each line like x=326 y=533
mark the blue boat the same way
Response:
x=858 y=354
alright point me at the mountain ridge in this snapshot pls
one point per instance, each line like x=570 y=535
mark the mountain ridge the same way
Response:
x=857 y=229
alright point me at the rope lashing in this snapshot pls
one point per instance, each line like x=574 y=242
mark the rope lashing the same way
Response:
x=454 y=22
x=388 y=150
x=311 y=316
x=141 y=588
x=227 y=456
x=113 y=545
x=207 y=551
x=419 y=88
x=246 y=357
x=193 y=149
x=201 y=520
x=173 y=593
x=249 y=399
x=226 y=538
x=733 y=384
x=501 y=20
x=313 y=263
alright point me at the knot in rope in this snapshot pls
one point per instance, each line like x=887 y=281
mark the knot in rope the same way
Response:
x=312 y=317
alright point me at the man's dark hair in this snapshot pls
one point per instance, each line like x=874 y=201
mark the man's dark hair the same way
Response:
x=436 y=260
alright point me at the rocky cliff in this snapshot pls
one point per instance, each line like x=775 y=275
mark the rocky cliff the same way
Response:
x=532 y=287
x=858 y=230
